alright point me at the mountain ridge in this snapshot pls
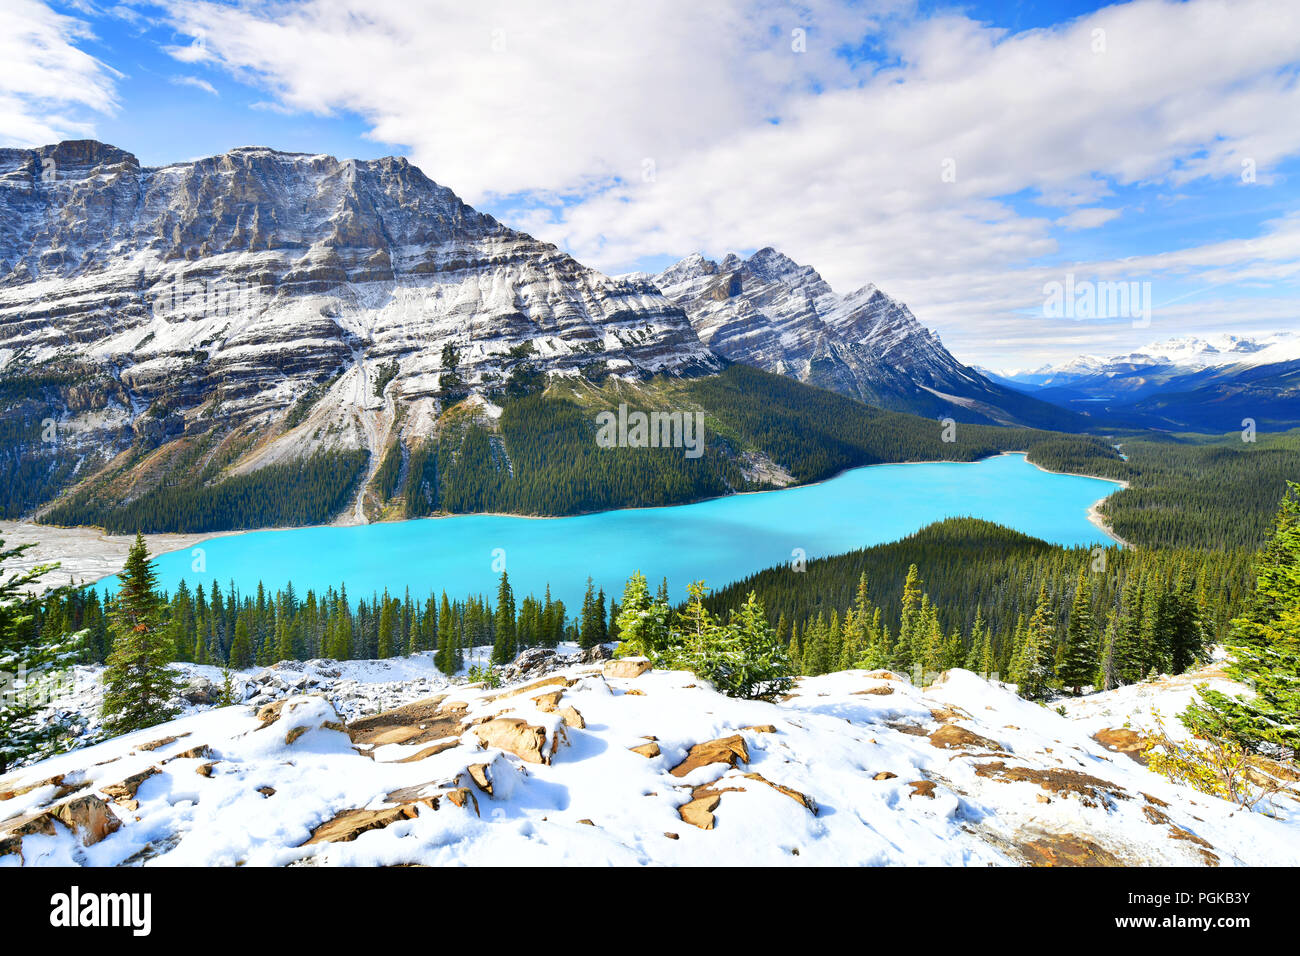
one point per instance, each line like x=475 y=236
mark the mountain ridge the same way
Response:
x=780 y=316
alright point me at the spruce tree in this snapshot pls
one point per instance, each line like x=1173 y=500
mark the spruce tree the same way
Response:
x=385 y=642
x=30 y=659
x=340 y=638
x=139 y=686
x=589 y=629
x=753 y=663
x=642 y=622
x=446 y=634
x=503 y=649
x=905 y=652
x=1264 y=645
x=1079 y=661
x=241 y=648
x=1032 y=668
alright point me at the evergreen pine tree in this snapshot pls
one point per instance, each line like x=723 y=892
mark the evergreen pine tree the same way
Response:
x=30 y=658
x=1264 y=645
x=503 y=650
x=1032 y=668
x=904 y=651
x=1079 y=662
x=642 y=623
x=589 y=629
x=387 y=624
x=139 y=686
x=241 y=648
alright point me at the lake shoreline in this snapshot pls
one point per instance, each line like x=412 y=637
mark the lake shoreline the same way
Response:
x=1094 y=509
x=87 y=555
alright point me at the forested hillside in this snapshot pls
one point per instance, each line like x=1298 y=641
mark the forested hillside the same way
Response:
x=1199 y=491
x=971 y=570
x=303 y=492
x=541 y=457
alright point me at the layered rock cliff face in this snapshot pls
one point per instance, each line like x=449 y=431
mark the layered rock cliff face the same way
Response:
x=140 y=304
x=772 y=313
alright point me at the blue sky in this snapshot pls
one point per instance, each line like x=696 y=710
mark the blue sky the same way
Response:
x=960 y=156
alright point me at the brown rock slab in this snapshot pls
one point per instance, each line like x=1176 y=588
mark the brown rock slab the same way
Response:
x=726 y=750
x=155 y=744
x=481 y=774
x=513 y=735
x=805 y=801
x=1066 y=850
x=946 y=714
x=572 y=718
x=627 y=667
x=884 y=775
x=903 y=727
x=126 y=789
x=1124 y=741
x=548 y=703
x=432 y=751
x=422 y=721
x=952 y=737
x=270 y=713
x=650 y=749
x=1178 y=833
x=882 y=690
x=1092 y=790
x=921 y=788
x=58 y=780
x=394 y=735
x=294 y=733
x=201 y=752
x=556 y=680
x=698 y=811
x=87 y=816
x=350 y=824
x=461 y=796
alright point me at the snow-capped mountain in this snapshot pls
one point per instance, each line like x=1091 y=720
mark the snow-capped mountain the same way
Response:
x=773 y=313
x=137 y=300
x=1206 y=384
x=1190 y=353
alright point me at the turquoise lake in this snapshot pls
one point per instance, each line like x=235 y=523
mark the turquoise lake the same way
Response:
x=719 y=541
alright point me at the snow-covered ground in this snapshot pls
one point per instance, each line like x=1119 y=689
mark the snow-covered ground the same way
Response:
x=353 y=688
x=1146 y=706
x=596 y=764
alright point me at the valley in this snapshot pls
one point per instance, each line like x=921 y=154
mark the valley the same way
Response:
x=318 y=446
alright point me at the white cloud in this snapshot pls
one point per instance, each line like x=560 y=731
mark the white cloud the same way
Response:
x=196 y=82
x=1087 y=218
x=508 y=98
x=49 y=88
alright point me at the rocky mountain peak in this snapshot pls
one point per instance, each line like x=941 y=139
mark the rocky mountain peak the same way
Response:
x=229 y=288
x=771 y=312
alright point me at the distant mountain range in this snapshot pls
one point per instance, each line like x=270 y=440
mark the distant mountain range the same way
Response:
x=1187 y=383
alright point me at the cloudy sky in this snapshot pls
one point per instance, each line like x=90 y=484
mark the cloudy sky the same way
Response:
x=960 y=156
